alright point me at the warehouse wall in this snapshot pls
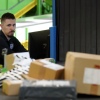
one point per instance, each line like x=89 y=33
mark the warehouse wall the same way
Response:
x=78 y=26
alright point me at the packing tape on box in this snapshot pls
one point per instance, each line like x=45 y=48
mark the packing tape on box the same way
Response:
x=94 y=87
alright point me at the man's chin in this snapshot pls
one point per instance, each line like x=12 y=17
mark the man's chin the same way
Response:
x=10 y=36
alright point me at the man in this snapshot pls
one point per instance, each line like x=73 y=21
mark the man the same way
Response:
x=7 y=40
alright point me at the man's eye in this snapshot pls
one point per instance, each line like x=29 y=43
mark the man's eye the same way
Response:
x=9 y=25
x=14 y=25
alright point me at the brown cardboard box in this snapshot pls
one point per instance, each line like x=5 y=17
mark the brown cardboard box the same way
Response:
x=12 y=58
x=26 y=77
x=9 y=61
x=85 y=69
x=11 y=87
x=43 y=69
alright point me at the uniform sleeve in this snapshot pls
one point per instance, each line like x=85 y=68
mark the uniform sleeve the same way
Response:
x=18 y=47
x=3 y=45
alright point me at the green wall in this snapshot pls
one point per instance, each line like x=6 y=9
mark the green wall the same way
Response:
x=3 y=4
x=7 y=4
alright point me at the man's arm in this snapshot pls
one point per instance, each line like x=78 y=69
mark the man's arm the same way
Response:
x=3 y=45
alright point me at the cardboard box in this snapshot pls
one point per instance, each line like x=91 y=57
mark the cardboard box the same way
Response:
x=11 y=87
x=15 y=58
x=26 y=77
x=85 y=69
x=9 y=61
x=43 y=69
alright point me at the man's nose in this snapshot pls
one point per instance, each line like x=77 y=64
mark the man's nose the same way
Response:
x=12 y=27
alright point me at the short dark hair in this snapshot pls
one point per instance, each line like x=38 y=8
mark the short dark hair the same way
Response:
x=7 y=16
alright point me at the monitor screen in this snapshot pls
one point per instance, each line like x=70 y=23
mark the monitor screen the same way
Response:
x=39 y=44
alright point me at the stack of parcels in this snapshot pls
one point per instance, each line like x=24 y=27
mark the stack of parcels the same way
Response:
x=85 y=69
x=14 y=74
x=17 y=64
x=18 y=59
x=18 y=67
x=48 y=90
x=21 y=67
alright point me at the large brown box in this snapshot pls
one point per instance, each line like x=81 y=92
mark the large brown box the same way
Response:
x=42 y=69
x=85 y=69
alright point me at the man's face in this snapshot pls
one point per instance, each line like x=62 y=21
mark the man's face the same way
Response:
x=8 y=27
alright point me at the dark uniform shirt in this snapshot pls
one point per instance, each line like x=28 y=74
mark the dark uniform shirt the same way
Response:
x=13 y=46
